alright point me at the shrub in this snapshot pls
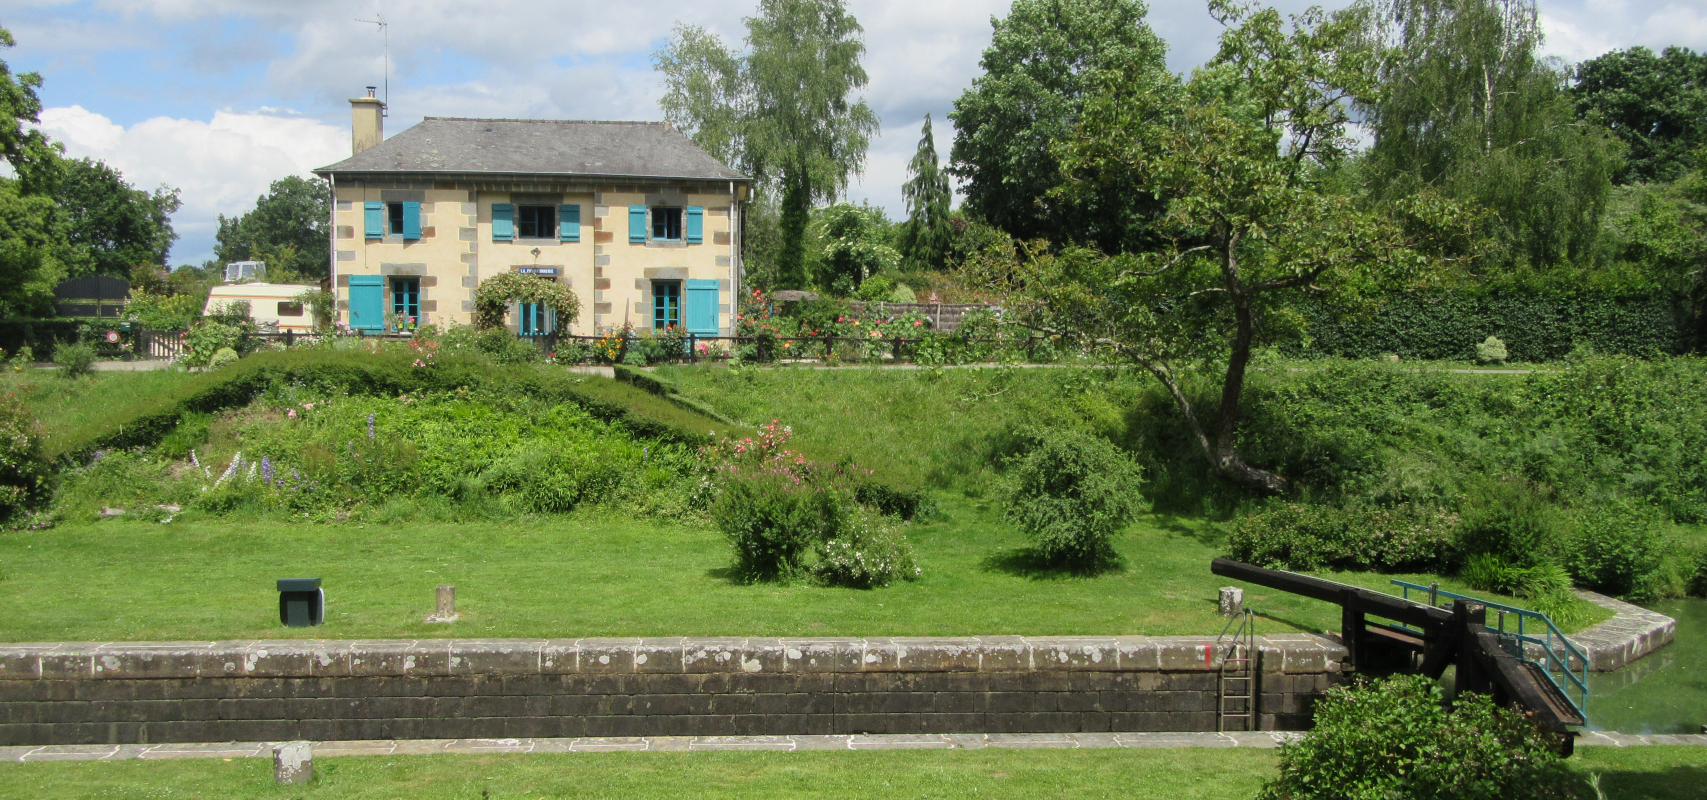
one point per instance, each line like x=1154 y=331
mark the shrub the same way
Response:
x=24 y=468
x=223 y=357
x=1510 y=519
x=774 y=519
x=1308 y=537
x=866 y=553
x=24 y=359
x=1395 y=739
x=1070 y=493
x=75 y=360
x=1618 y=551
x=210 y=337
x=1698 y=574
x=1490 y=351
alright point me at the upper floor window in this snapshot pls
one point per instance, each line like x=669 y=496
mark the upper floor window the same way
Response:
x=667 y=223
x=536 y=222
x=394 y=215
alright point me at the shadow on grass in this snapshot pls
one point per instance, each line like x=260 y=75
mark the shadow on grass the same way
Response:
x=1662 y=784
x=1026 y=562
x=1203 y=531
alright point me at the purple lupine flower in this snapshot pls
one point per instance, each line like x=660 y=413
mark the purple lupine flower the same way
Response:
x=370 y=427
x=267 y=469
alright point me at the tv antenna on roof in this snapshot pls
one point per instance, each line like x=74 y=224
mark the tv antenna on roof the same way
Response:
x=384 y=31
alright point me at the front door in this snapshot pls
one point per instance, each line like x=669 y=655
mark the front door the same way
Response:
x=666 y=304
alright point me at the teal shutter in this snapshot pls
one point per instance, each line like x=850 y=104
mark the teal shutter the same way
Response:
x=411 y=220
x=569 y=223
x=503 y=222
x=636 y=224
x=373 y=219
x=367 y=302
x=699 y=307
x=695 y=224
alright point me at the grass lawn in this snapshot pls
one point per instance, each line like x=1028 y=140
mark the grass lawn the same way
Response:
x=596 y=575
x=1645 y=773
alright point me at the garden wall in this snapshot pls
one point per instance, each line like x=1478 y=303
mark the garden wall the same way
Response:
x=90 y=693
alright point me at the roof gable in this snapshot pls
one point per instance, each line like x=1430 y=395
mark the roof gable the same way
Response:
x=539 y=146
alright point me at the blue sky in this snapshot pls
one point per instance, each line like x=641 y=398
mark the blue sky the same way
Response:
x=220 y=97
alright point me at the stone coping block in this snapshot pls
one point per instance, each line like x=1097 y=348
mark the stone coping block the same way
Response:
x=1632 y=632
x=307 y=658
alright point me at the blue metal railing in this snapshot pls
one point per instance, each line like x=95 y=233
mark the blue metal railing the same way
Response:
x=1556 y=664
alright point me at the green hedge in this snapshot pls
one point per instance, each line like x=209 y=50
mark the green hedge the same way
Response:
x=146 y=423
x=1534 y=326
x=42 y=335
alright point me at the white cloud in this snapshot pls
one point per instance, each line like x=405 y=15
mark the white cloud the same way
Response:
x=1577 y=31
x=219 y=166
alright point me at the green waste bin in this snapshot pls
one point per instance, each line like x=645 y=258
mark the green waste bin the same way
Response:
x=302 y=603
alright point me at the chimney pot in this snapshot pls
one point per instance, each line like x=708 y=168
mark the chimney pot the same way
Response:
x=371 y=90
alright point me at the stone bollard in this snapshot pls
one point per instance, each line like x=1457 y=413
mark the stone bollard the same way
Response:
x=1232 y=601
x=293 y=763
x=446 y=611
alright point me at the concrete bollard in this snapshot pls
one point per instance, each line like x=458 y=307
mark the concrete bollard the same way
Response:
x=293 y=763
x=446 y=610
x=1232 y=601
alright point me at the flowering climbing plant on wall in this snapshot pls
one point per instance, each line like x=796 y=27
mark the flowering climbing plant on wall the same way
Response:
x=495 y=294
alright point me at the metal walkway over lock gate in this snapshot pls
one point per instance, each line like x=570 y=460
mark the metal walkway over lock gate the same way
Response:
x=1523 y=660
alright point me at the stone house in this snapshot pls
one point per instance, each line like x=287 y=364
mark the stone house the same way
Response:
x=637 y=220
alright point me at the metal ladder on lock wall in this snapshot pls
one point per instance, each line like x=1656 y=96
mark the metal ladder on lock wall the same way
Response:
x=1238 y=679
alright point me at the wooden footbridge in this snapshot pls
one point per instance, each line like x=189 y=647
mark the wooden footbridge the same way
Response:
x=1521 y=660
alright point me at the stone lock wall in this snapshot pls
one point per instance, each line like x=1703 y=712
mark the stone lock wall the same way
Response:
x=92 y=693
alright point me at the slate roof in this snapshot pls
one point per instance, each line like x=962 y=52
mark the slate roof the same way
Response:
x=539 y=147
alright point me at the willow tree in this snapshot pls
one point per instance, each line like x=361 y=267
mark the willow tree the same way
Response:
x=1239 y=154
x=784 y=111
x=1468 y=108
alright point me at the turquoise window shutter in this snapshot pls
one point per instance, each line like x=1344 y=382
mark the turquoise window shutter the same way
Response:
x=636 y=224
x=367 y=302
x=695 y=224
x=569 y=223
x=503 y=222
x=411 y=220
x=699 y=307
x=373 y=219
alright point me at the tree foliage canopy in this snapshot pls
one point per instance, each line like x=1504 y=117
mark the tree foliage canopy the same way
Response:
x=1656 y=104
x=287 y=228
x=926 y=236
x=853 y=246
x=121 y=227
x=1238 y=153
x=783 y=111
x=1466 y=107
x=1039 y=70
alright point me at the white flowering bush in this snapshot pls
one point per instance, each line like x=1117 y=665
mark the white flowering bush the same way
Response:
x=867 y=552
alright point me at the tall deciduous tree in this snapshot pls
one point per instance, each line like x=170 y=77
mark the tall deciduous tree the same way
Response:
x=1037 y=73
x=926 y=236
x=288 y=224
x=1656 y=104
x=120 y=226
x=1238 y=153
x=34 y=159
x=784 y=111
x=1467 y=107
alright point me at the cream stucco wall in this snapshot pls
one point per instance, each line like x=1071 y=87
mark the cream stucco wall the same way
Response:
x=611 y=276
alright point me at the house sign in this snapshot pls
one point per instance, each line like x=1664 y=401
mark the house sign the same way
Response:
x=551 y=271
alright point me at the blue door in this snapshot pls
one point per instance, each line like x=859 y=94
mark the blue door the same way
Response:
x=367 y=302
x=699 y=307
x=536 y=319
x=666 y=304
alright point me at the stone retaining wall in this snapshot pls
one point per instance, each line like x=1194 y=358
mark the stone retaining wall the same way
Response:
x=121 y=693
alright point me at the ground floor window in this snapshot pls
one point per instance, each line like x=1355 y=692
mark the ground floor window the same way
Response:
x=406 y=302
x=666 y=304
x=535 y=319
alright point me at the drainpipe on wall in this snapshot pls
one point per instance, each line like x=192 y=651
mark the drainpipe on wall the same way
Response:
x=734 y=258
x=332 y=251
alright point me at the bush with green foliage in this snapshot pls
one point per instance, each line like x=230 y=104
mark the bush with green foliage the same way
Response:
x=21 y=360
x=75 y=359
x=774 y=519
x=1302 y=536
x=24 y=469
x=1070 y=493
x=1698 y=574
x=1491 y=351
x=867 y=552
x=163 y=312
x=223 y=357
x=1619 y=550
x=1396 y=738
x=212 y=336
x=1510 y=519
x=496 y=345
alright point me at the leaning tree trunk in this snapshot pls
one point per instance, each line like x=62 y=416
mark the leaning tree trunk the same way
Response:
x=1225 y=456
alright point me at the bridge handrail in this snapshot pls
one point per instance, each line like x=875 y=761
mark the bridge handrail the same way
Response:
x=1576 y=693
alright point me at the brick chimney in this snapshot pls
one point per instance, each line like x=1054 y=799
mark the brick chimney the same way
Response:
x=367 y=127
